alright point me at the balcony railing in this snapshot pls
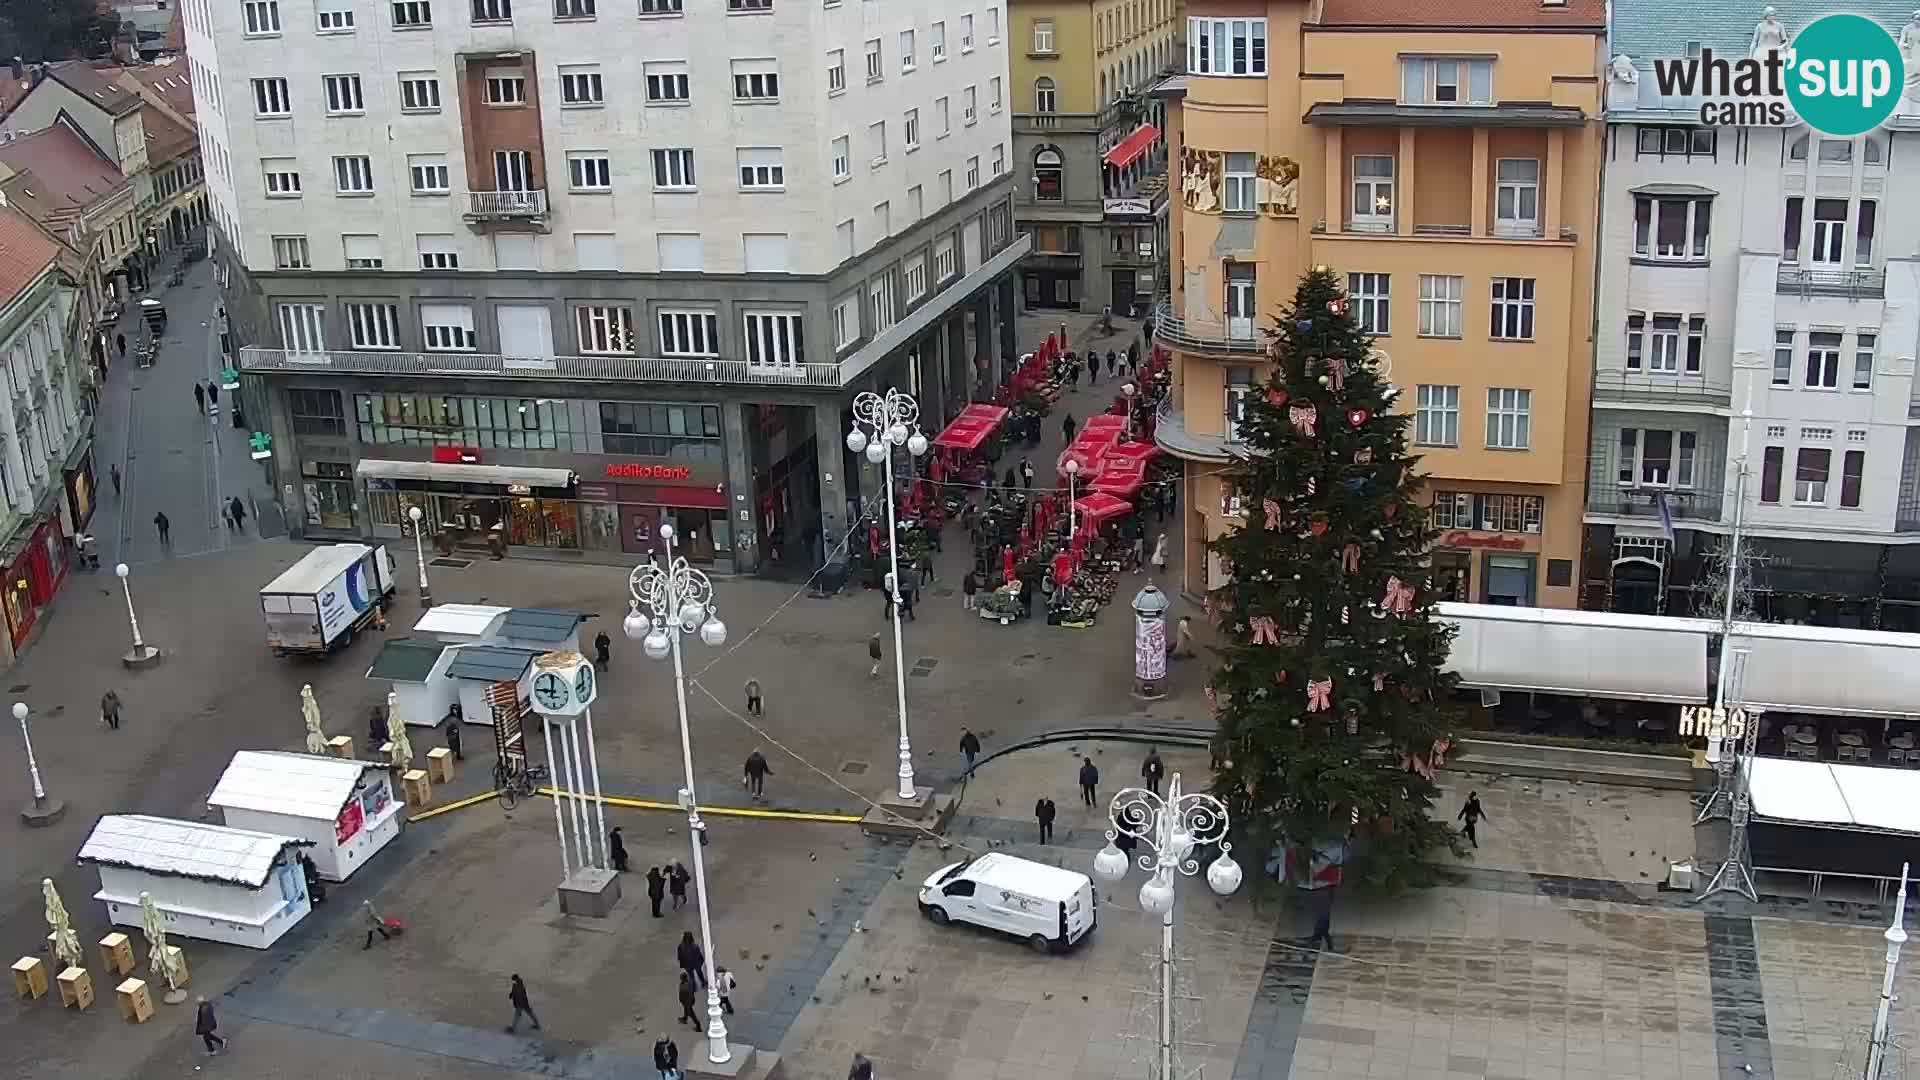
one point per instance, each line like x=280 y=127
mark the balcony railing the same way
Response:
x=1813 y=281
x=1208 y=336
x=506 y=204
x=1640 y=386
x=622 y=369
x=1635 y=502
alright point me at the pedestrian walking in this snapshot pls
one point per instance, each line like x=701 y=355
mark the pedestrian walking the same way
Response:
x=1183 y=637
x=687 y=1015
x=666 y=1058
x=1067 y=428
x=691 y=958
x=970 y=746
x=1133 y=356
x=453 y=738
x=165 y=529
x=517 y=993
x=1152 y=769
x=1322 y=936
x=1160 y=555
x=376 y=728
x=724 y=981
x=213 y=395
x=862 y=1069
x=969 y=586
x=602 y=650
x=757 y=770
x=926 y=567
x=1471 y=813
x=754 y=707
x=1073 y=371
x=1138 y=553
x=677 y=878
x=113 y=471
x=200 y=398
x=1093 y=369
x=1089 y=781
x=908 y=595
x=886 y=586
x=1044 y=812
x=239 y=511
x=120 y=340
x=873 y=650
x=315 y=887
x=207 y=1026
x=110 y=710
x=656 y=889
x=617 y=850
x=376 y=924
x=1026 y=473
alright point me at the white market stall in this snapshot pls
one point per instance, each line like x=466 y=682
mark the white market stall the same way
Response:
x=416 y=671
x=345 y=809
x=458 y=624
x=495 y=683
x=210 y=882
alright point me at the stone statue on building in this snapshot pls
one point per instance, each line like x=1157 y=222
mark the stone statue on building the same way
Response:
x=1769 y=36
x=1910 y=56
x=1622 y=71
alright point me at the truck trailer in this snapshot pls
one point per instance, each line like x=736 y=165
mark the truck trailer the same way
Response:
x=317 y=605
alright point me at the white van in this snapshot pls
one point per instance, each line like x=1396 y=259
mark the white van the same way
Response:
x=1050 y=908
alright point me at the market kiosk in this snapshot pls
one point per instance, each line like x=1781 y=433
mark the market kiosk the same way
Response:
x=211 y=882
x=344 y=809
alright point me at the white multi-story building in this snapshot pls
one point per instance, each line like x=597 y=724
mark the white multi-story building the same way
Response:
x=1770 y=270
x=660 y=230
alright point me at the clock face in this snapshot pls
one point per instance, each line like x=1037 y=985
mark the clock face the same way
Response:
x=550 y=691
x=583 y=684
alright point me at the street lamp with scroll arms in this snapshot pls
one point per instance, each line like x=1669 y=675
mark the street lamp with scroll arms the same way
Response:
x=670 y=599
x=420 y=556
x=142 y=654
x=1170 y=828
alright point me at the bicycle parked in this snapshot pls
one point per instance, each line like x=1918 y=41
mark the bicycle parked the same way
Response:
x=515 y=779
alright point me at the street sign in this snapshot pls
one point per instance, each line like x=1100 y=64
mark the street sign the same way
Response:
x=229 y=378
x=262 y=444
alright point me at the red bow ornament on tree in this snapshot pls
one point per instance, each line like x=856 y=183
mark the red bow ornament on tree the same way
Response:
x=1319 y=695
x=1265 y=632
x=1213 y=700
x=1337 y=367
x=1379 y=682
x=1303 y=418
x=1399 y=598
x=1271 y=509
x=1350 y=558
x=1277 y=398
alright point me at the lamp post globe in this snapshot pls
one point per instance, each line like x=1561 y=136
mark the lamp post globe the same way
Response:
x=876 y=452
x=1223 y=877
x=123 y=570
x=713 y=632
x=917 y=444
x=635 y=625
x=897 y=433
x=657 y=645
x=1156 y=896
x=20 y=710
x=413 y=513
x=667 y=531
x=856 y=440
x=1110 y=863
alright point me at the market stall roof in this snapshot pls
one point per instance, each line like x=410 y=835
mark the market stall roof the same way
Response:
x=1104 y=422
x=972 y=427
x=471 y=620
x=186 y=849
x=491 y=663
x=1097 y=508
x=1581 y=653
x=1136 y=451
x=1121 y=478
x=312 y=786
x=541 y=624
x=1828 y=670
x=406 y=660
x=1828 y=793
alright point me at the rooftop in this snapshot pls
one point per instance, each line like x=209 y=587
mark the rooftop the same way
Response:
x=95 y=84
x=1467 y=15
x=541 y=624
x=25 y=253
x=166 y=139
x=1644 y=29
x=491 y=663
x=187 y=849
x=406 y=660
x=297 y=785
x=168 y=80
x=71 y=174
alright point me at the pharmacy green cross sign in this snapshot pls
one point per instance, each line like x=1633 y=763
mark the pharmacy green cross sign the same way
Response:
x=229 y=378
x=262 y=444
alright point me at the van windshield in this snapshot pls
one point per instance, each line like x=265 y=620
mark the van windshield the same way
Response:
x=952 y=872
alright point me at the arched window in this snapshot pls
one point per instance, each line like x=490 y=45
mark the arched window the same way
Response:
x=1049 y=175
x=1103 y=88
x=1044 y=98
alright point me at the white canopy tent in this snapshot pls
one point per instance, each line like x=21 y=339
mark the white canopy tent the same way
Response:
x=1583 y=653
x=1830 y=671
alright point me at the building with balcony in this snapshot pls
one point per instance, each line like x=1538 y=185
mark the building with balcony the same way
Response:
x=522 y=266
x=1762 y=269
x=1089 y=152
x=1447 y=163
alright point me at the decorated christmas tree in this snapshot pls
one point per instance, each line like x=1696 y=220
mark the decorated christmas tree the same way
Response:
x=1333 y=707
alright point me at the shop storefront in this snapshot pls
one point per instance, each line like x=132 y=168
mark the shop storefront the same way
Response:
x=1487 y=567
x=36 y=563
x=327 y=494
x=77 y=476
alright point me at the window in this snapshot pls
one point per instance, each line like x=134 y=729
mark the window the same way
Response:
x=1240 y=383
x=1227 y=47
x=689 y=333
x=993 y=95
x=761 y=169
x=486 y=423
x=915 y=278
x=910 y=130
x=1853 y=469
x=837 y=71
x=1863 y=233
x=1823 y=360
x=343 y=94
x=595 y=251
x=1368 y=300
x=673 y=170
x=419 y=92
x=944 y=265
x=738 y=6
x=581 y=86
x=1373 y=193
x=1836 y=151
x=574 y=9
x=447 y=328
x=969 y=99
x=428 y=174
x=1782 y=357
x=842 y=158
x=485 y=11
x=880 y=303
x=1048 y=176
x=506 y=88
x=290 y=253
x=846 y=322
x=973 y=172
x=660 y=7
x=1655 y=458
x=1829 y=229
x=942 y=114
x=966 y=33
x=1444 y=81
x=999 y=158
x=438 y=251
x=262 y=16
x=1452 y=510
x=333 y=16
x=1516 y=201
x=1436 y=417
x=681 y=432
x=316 y=412
x=353 y=175
x=937 y=47
x=282 y=177
x=1790 y=243
x=680 y=252
x=373 y=325
x=1696 y=342
x=1509 y=418
x=411 y=14
x=1772 y=461
x=1242 y=306
x=1682 y=142
x=1046 y=97
x=1664 y=354
x=666 y=82
x=270 y=98
x=1512 y=309
x=1671 y=227
x=1863 y=360
x=1440 y=296
x=877 y=141
x=906 y=51
x=1043 y=38
x=755 y=80
x=774 y=339
x=876 y=70
x=589 y=170
x=993 y=26
x=302 y=327
x=362 y=251
x=1810 y=469
x=1238 y=191
x=916 y=204
x=605 y=328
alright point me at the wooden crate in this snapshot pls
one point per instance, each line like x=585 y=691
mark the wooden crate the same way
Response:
x=136 y=1004
x=116 y=954
x=30 y=977
x=76 y=988
x=340 y=746
x=440 y=765
x=416 y=786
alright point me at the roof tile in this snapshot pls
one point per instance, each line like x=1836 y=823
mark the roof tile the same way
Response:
x=25 y=253
x=73 y=176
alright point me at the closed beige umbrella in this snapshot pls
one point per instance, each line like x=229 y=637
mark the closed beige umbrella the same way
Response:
x=397 y=734
x=310 y=711
x=66 y=943
x=159 y=960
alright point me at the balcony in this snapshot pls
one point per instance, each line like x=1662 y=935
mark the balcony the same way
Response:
x=1171 y=434
x=1861 y=284
x=1643 y=503
x=507 y=206
x=1171 y=329
x=618 y=369
x=1644 y=388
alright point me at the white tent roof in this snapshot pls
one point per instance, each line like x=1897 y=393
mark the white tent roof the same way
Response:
x=473 y=620
x=1823 y=793
x=187 y=849
x=297 y=785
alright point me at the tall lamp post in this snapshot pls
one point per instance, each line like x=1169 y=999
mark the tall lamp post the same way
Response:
x=42 y=810
x=1171 y=828
x=893 y=421
x=1073 y=506
x=142 y=654
x=669 y=600
x=1127 y=390
x=1896 y=936
x=420 y=556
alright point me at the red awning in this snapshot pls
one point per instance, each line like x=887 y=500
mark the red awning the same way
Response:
x=1120 y=477
x=1142 y=452
x=1127 y=150
x=971 y=428
x=1104 y=422
x=1089 y=448
x=1095 y=509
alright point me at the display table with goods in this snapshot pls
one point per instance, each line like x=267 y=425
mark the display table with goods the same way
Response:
x=1002 y=604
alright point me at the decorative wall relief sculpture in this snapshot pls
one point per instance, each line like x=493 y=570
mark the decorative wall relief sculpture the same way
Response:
x=1276 y=183
x=1277 y=186
x=1200 y=172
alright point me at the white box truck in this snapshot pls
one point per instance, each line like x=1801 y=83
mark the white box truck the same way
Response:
x=319 y=602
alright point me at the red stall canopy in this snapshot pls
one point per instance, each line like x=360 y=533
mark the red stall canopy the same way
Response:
x=1121 y=477
x=1104 y=422
x=1095 y=509
x=1142 y=452
x=1089 y=448
x=972 y=427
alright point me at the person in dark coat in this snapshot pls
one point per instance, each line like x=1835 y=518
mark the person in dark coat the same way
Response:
x=687 y=1015
x=517 y=993
x=1093 y=369
x=970 y=746
x=666 y=1058
x=376 y=728
x=1089 y=781
x=692 y=959
x=969 y=587
x=207 y=1026
x=200 y=398
x=213 y=393
x=453 y=738
x=862 y=1069
x=164 y=527
x=238 y=511
x=1044 y=812
x=656 y=889
x=110 y=710
x=602 y=650
x=757 y=771
x=316 y=888
x=1471 y=814
x=873 y=650
x=1067 y=428
x=677 y=879
x=616 y=850
x=1152 y=769
x=120 y=340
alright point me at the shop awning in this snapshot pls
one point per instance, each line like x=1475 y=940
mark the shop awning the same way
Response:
x=1829 y=671
x=1104 y=422
x=1129 y=149
x=1095 y=509
x=1141 y=452
x=1582 y=653
x=1122 y=478
x=1822 y=793
x=503 y=475
x=974 y=425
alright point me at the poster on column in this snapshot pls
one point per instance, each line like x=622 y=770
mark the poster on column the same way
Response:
x=1149 y=648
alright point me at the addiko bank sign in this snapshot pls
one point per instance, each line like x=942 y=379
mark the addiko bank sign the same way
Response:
x=634 y=470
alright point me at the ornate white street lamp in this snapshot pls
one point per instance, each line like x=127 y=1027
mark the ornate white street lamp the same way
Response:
x=1127 y=390
x=671 y=599
x=1073 y=507
x=893 y=420
x=142 y=654
x=42 y=810
x=1171 y=828
x=1896 y=935
x=420 y=556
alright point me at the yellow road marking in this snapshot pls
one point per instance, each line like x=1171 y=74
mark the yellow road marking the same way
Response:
x=649 y=804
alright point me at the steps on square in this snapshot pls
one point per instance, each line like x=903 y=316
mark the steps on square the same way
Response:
x=1548 y=761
